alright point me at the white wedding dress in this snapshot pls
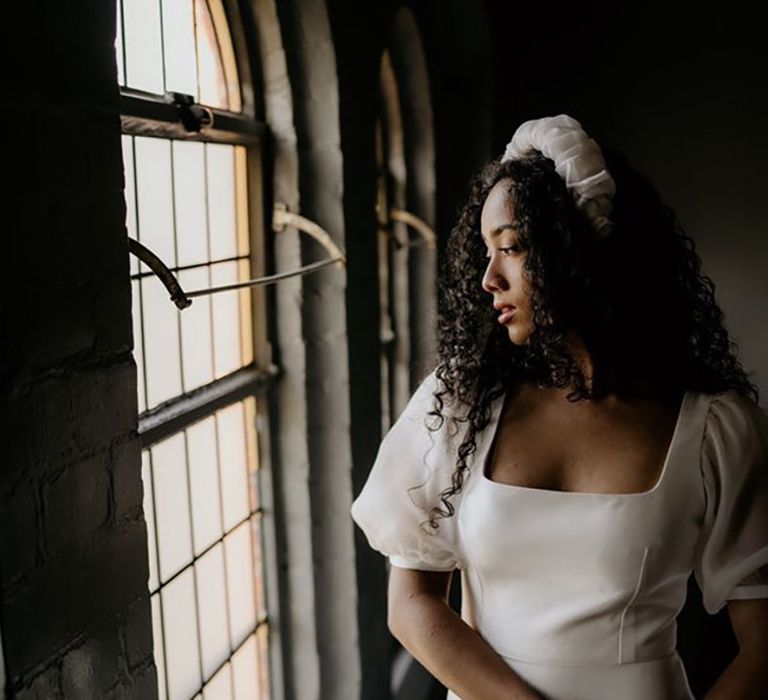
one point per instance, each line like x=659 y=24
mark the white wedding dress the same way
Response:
x=578 y=592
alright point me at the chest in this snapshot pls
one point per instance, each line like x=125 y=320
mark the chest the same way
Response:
x=609 y=449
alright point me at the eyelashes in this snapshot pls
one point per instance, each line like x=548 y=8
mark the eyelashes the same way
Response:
x=507 y=250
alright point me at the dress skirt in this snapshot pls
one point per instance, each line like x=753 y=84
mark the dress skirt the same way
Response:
x=660 y=679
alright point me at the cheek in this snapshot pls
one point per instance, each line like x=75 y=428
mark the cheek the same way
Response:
x=516 y=271
x=522 y=285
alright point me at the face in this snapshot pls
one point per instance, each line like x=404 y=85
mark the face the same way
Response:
x=504 y=277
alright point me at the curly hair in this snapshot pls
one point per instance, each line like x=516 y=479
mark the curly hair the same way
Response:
x=637 y=299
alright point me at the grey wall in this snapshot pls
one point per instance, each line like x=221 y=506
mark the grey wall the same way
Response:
x=681 y=91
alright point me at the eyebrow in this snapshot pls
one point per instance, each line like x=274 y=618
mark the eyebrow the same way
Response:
x=499 y=229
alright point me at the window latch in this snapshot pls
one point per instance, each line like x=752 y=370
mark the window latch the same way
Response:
x=192 y=115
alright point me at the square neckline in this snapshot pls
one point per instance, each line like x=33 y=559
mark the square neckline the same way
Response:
x=494 y=428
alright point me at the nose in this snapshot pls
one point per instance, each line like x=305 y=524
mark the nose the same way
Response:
x=493 y=281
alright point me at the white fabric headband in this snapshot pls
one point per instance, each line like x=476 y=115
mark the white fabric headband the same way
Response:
x=578 y=160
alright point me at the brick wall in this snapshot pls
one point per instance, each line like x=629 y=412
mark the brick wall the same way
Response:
x=74 y=607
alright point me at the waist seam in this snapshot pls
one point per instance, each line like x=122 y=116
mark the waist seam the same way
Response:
x=518 y=659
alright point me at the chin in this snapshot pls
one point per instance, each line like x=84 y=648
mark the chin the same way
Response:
x=517 y=335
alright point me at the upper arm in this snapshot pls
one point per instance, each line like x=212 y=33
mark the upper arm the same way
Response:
x=734 y=534
x=406 y=585
x=749 y=619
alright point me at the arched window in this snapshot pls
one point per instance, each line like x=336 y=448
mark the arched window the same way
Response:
x=406 y=256
x=405 y=200
x=192 y=156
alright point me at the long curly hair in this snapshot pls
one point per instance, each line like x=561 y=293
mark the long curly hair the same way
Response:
x=636 y=298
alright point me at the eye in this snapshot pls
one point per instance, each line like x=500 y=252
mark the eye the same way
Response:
x=506 y=250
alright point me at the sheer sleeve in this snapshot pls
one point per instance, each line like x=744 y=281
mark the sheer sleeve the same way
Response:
x=732 y=559
x=413 y=465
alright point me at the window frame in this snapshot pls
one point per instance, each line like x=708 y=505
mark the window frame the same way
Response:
x=147 y=114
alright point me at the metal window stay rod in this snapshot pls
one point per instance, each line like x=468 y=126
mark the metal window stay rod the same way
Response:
x=419 y=225
x=281 y=219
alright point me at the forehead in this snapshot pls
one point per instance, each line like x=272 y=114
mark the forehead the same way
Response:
x=498 y=208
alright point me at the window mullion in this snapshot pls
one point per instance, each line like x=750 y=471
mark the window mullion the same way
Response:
x=146 y=114
x=179 y=413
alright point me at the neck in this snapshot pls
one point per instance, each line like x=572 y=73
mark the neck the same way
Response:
x=604 y=379
x=584 y=360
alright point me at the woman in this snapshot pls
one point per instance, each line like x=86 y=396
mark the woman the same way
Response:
x=586 y=441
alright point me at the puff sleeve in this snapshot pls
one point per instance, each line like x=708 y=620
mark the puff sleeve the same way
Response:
x=732 y=559
x=412 y=467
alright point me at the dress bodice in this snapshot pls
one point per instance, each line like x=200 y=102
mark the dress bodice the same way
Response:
x=579 y=578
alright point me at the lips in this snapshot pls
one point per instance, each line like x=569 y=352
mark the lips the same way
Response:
x=506 y=312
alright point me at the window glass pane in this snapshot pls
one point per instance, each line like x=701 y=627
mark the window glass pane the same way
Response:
x=220 y=164
x=154 y=194
x=241 y=198
x=138 y=344
x=258 y=568
x=263 y=639
x=119 y=46
x=189 y=194
x=203 y=474
x=243 y=249
x=226 y=53
x=143 y=45
x=196 y=343
x=242 y=615
x=212 y=598
x=226 y=320
x=162 y=353
x=244 y=670
x=179 y=45
x=246 y=311
x=130 y=198
x=233 y=464
x=157 y=641
x=181 y=644
x=220 y=686
x=149 y=516
x=169 y=471
x=212 y=84
x=252 y=449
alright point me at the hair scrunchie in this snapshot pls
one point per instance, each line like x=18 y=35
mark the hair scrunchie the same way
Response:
x=578 y=160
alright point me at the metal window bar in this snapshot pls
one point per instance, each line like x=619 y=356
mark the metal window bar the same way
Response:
x=261 y=623
x=190 y=564
x=252 y=515
x=282 y=218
